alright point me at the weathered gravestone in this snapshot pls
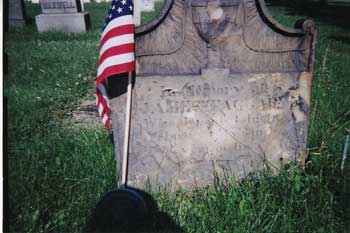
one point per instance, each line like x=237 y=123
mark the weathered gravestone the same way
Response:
x=62 y=15
x=221 y=88
x=16 y=13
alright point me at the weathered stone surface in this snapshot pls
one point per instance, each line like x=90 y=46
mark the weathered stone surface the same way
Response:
x=66 y=22
x=16 y=13
x=220 y=88
x=60 y=6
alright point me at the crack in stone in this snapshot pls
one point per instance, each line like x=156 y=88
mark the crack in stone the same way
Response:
x=226 y=131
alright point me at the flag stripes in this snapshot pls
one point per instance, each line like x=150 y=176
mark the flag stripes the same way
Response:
x=114 y=60
x=116 y=41
x=119 y=21
x=118 y=31
x=117 y=50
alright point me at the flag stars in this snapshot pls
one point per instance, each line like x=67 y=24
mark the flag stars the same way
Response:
x=113 y=7
x=130 y=7
x=123 y=2
x=120 y=10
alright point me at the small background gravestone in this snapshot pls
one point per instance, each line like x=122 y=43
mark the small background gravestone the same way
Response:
x=143 y=6
x=62 y=15
x=221 y=88
x=147 y=5
x=16 y=13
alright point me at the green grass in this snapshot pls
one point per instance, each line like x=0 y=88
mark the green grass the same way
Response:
x=57 y=174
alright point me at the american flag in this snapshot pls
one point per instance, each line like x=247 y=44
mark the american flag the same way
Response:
x=116 y=52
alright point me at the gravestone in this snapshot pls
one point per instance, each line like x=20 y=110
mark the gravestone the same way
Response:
x=143 y=6
x=221 y=88
x=148 y=5
x=16 y=13
x=62 y=15
x=137 y=12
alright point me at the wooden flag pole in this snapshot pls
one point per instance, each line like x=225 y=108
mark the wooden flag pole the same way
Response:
x=127 y=131
x=127 y=128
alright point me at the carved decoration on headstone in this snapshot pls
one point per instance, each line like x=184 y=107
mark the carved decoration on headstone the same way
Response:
x=221 y=87
x=62 y=15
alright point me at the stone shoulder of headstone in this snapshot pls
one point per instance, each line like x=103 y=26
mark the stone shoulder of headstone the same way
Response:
x=221 y=89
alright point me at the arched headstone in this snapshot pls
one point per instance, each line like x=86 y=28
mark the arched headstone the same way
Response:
x=220 y=87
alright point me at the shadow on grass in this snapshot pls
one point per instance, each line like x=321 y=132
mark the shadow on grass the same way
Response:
x=129 y=210
x=336 y=13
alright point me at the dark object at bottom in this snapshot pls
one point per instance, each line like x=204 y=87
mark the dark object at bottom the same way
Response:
x=120 y=210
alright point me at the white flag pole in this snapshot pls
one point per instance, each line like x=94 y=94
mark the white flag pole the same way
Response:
x=127 y=131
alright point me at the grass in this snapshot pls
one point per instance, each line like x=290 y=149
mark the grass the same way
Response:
x=57 y=174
